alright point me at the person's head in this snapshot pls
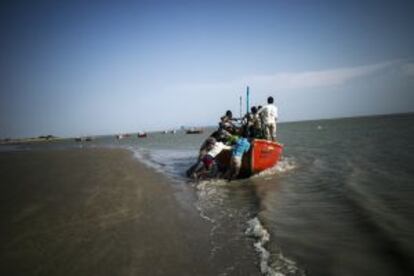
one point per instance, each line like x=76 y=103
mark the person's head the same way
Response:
x=211 y=141
x=229 y=114
x=259 y=107
x=253 y=109
x=270 y=100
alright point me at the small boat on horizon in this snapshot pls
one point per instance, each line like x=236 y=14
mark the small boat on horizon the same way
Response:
x=173 y=131
x=142 y=135
x=194 y=131
x=122 y=136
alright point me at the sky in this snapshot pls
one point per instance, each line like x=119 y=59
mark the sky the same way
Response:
x=72 y=68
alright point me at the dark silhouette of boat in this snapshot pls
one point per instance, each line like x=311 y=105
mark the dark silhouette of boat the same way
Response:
x=194 y=131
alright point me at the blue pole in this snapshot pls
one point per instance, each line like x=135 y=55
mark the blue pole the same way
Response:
x=247 y=100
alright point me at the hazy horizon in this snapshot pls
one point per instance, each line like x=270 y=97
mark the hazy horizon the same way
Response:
x=104 y=67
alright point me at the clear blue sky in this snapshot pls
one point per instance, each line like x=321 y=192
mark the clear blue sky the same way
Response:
x=73 y=68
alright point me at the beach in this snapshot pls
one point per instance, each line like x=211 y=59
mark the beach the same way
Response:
x=99 y=212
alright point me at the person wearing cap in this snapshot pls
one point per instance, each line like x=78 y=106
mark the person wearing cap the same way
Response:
x=269 y=116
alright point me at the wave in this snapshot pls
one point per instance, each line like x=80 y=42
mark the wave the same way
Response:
x=285 y=165
x=281 y=265
x=256 y=230
x=214 y=204
x=173 y=163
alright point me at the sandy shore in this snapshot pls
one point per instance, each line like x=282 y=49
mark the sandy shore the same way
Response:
x=96 y=212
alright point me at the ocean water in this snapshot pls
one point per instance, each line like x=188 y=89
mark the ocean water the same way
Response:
x=340 y=202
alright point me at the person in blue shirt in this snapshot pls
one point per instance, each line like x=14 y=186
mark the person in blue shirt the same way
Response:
x=241 y=146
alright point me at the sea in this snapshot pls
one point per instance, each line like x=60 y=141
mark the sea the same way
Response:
x=340 y=201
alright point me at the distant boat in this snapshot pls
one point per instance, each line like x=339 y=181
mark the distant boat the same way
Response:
x=88 y=139
x=194 y=131
x=78 y=139
x=173 y=131
x=122 y=136
x=142 y=134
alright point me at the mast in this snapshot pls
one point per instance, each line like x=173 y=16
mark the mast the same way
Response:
x=247 y=99
x=240 y=106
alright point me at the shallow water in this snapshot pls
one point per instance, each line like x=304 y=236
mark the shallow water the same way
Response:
x=339 y=202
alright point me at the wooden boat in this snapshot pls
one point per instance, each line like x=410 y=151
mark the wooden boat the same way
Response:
x=194 y=131
x=263 y=154
x=122 y=136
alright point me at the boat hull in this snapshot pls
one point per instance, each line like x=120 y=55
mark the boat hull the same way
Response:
x=198 y=131
x=263 y=154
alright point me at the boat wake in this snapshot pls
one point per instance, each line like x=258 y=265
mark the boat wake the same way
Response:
x=279 y=265
x=287 y=164
x=217 y=204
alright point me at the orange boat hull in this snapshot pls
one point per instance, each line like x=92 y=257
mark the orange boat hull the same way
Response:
x=263 y=154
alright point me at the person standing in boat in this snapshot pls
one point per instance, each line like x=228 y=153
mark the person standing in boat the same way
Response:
x=241 y=146
x=255 y=128
x=269 y=116
x=227 y=120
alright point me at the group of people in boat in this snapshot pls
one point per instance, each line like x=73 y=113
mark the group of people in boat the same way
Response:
x=234 y=134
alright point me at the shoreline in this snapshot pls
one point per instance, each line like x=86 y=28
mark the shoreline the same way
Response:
x=99 y=212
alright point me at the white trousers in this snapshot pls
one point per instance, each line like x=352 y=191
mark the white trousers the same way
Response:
x=270 y=131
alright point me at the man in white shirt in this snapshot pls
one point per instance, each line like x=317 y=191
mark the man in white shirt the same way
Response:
x=269 y=116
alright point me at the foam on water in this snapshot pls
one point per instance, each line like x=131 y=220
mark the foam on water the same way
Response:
x=281 y=265
x=213 y=203
x=256 y=230
x=174 y=163
x=285 y=165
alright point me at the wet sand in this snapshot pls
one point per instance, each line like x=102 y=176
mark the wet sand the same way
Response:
x=98 y=212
